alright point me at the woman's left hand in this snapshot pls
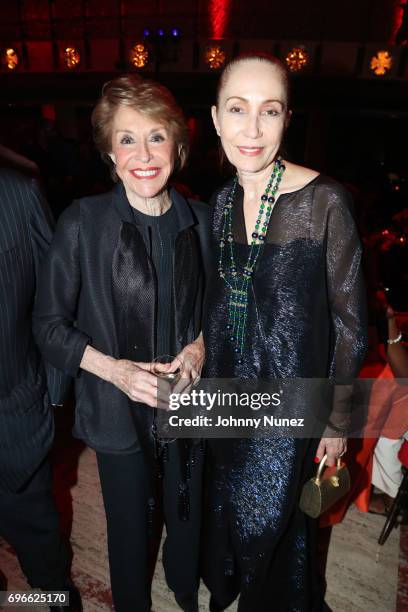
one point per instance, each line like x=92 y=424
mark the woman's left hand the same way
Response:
x=333 y=448
x=192 y=357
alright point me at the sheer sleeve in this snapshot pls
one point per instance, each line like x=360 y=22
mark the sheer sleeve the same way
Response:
x=347 y=303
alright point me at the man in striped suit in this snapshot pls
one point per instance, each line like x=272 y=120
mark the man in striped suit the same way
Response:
x=28 y=515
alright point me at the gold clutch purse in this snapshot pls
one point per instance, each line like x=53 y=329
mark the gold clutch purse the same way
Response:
x=322 y=491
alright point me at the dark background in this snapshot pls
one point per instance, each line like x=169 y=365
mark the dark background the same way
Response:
x=346 y=122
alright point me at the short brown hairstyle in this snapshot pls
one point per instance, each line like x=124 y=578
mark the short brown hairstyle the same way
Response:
x=148 y=98
x=260 y=57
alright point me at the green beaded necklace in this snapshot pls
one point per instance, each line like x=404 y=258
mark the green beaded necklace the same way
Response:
x=238 y=282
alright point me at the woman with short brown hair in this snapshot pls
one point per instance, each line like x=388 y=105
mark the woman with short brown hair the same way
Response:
x=147 y=97
x=122 y=284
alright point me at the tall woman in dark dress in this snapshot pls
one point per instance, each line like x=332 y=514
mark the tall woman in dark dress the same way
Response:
x=122 y=284
x=285 y=300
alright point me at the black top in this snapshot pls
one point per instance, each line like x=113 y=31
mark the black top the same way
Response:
x=99 y=286
x=239 y=225
x=306 y=310
x=162 y=232
x=307 y=302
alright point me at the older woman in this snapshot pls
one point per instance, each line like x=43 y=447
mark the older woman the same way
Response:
x=122 y=284
x=286 y=301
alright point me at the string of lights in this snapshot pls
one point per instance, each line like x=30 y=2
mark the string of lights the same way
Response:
x=145 y=51
x=158 y=45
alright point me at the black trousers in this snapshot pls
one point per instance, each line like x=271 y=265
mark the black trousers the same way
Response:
x=29 y=523
x=124 y=481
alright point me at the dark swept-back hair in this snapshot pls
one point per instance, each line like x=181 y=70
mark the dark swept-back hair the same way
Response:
x=260 y=57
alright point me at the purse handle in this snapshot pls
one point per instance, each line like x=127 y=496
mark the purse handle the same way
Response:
x=322 y=465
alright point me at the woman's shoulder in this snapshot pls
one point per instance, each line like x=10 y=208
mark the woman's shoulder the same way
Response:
x=296 y=178
x=221 y=194
x=99 y=200
x=86 y=204
x=300 y=177
x=331 y=188
x=333 y=198
x=325 y=189
x=330 y=201
x=201 y=214
x=198 y=206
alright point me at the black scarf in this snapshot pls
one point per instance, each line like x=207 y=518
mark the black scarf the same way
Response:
x=134 y=298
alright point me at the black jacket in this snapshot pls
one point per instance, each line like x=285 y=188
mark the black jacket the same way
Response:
x=26 y=424
x=76 y=304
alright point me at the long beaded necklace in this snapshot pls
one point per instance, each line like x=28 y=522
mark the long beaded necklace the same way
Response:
x=238 y=282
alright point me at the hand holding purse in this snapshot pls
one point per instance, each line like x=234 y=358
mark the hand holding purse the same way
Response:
x=322 y=491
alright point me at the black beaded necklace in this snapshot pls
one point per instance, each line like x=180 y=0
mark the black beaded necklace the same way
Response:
x=237 y=281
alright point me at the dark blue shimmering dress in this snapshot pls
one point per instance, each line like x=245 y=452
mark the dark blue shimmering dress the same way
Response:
x=306 y=319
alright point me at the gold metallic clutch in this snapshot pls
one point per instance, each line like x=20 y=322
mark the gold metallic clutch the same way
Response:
x=322 y=491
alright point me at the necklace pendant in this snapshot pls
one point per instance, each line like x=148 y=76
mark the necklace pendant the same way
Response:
x=238 y=283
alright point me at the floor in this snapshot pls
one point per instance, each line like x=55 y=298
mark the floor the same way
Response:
x=361 y=576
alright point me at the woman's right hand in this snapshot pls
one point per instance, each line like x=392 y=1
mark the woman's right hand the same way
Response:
x=134 y=378
x=136 y=381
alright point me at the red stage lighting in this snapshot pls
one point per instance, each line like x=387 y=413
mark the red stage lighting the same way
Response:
x=219 y=12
